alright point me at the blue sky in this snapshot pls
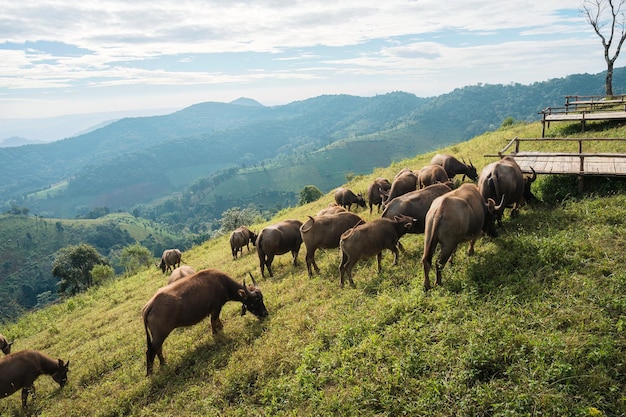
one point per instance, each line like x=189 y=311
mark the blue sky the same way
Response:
x=60 y=57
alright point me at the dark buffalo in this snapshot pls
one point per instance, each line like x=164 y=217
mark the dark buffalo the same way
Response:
x=369 y=239
x=5 y=345
x=188 y=301
x=404 y=182
x=346 y=198
x=180 y=273
x=333 y=208
x=431 y=174
x=458 y=216
x=240 y=237
x=416 y=204
x=505 y=178
x=324 y=232
x=278 y=239
x=21 y=369
x=377 y=191
x=170 y=259
x=454 y=167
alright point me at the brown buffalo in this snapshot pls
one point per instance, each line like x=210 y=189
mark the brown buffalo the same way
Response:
x=170 y=259
x=458 y=216
x=240 y=237
x=180 y=273
x=333 y=208
x=324 y=232
x=416 y=204
x=188 y=301
x=454 y=167
x=404 y=182
x=369 y=239
x=431 y=174
x=19 y=370
x=505 y=178
x=346 y=198
x=278 y=239
x=5 y=345
x=377 y=191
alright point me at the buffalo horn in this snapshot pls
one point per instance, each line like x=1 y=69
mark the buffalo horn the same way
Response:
x=245 y=287
x=253 y=280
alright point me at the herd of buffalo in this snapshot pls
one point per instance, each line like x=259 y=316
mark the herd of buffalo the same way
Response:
x=422 y=201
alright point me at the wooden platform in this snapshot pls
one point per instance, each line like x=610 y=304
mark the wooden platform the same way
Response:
x=567 y=163
x=585 y=108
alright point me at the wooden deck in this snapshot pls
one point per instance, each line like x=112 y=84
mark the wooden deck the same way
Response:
x=579 y=163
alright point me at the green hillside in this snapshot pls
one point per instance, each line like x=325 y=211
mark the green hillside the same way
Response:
x=532 y=324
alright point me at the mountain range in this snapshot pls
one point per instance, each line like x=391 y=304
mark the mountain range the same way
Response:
x=139 y=162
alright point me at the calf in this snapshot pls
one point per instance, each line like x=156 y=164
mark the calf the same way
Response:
x=324 y=232
x=369 y=239
x=19 y=370
x=431 y=174
x=346 y=198
x=188 y=301
x=278 y=239
x=5 y=346
x=180 y=272
x=240 y=237
x=404 y=182
x=333 y=208
x=170 y=259
x=458 y=216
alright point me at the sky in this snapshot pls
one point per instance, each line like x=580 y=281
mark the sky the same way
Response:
x=63 y=57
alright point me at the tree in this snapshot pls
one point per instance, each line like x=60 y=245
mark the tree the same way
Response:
x=134 y=257
x=601 y=14
x=73 y=265
x=309 y=194
x=235 y=217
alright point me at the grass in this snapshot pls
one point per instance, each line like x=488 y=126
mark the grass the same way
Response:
x=532 y=324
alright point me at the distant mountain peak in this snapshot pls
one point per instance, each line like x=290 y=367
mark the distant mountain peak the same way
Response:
x=243 y=101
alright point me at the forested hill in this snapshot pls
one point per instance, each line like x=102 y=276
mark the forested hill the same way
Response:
x=137 y=160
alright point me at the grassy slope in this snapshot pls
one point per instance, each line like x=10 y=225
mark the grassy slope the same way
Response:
x=533 y=324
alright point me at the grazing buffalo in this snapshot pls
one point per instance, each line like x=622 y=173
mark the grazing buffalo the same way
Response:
x=170 y=259
x=5 y=345
x=346 y=198
x=505 y=178
x=19 y=370
x=369 y=239
x=458 y=216
x=454 y=167
x=404 y=182
x=377 y=191
x=188 y=301
x=416 y=204
x=180 y=272
x=324 y=232
x=278 y=239
x=240 y=237
x=431 y=174
x=333 y=208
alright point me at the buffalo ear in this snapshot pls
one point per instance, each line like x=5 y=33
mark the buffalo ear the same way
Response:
x=242 y=293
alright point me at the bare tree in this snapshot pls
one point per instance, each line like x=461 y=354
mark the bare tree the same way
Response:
x=607 y=16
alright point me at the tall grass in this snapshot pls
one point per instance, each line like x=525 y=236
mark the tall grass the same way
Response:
x=532 y=324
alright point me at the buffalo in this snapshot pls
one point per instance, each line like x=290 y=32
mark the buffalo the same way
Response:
x=369 y=239
x=188 y=301
x=505 y=178
x=170 y=259
x=5 y=345
x=324 y=232
x=454 y=167
x=346 y=198
x=19 y=370
x=333 y=208
x=431 y=174
x=180 y=272
x=377 y=191
x=416 y=204
x=458 y=216
x=404 y=182
x=278 y=239
x=240 y=237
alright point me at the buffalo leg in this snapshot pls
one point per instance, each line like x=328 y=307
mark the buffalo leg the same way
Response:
x=444 y=255
x=379 y=258
x=25 y=392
